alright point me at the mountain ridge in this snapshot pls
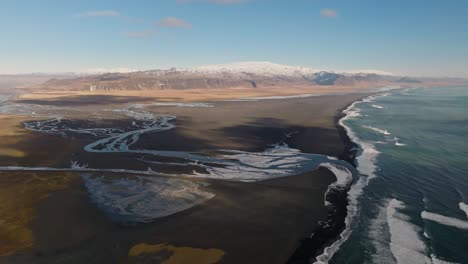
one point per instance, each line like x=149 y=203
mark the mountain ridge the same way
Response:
x=250 y=74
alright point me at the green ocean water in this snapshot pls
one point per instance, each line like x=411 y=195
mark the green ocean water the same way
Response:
x=411 y=201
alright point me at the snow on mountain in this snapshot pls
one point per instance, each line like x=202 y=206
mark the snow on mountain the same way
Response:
x=266 y=68
x=378 y=72
x=256 y=67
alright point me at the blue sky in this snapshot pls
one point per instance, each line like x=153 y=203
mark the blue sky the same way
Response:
x=416 y=37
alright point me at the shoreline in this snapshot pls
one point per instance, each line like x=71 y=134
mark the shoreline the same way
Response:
x=328 y=233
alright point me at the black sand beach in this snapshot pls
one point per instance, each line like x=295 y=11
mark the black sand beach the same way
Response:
x=262 y=222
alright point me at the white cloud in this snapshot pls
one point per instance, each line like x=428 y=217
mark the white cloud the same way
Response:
x=328 y=13
x=101 y=13
x=174 y=22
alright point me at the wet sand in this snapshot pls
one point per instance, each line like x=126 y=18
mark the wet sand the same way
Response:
x=261 y=222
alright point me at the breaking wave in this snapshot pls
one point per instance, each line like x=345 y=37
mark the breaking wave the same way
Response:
x=406 y=244
x=378 y=130
x=366 y=165
x=445 y=220
x=377 y=106
x=464 y=207
x=344 y=178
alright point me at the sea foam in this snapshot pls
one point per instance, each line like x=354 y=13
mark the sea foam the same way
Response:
x=464 y=207
x=406 y=244
x=378 y=130
x=377 y=106
x=366 y=161
x=445 y=220
x=344 y=178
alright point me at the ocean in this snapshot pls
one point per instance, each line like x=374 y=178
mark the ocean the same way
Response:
x=410 y=204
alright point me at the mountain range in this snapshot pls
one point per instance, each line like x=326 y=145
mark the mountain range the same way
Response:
x=234 y=75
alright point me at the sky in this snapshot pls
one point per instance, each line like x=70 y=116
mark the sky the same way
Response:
x=409 y=37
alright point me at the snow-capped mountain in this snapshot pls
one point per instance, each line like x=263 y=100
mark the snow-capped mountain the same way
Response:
x=233 y=75
x=263 y=68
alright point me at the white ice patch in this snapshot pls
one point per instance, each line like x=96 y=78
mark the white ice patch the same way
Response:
x=464 y=207
x=143 y=199
x=406 y=244
x=378 y=130
x=278 y=161
x=445 y=220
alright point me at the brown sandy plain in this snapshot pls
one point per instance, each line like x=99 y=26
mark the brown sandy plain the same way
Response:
x=205 y=94
x=46 y=217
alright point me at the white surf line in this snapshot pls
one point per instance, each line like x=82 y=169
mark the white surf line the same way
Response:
x=445 y=220
x=464 y=207
x=379 y=236
x=396 y=142
x=344 y=178
x=378 y=130
x=366 y=167
x=406 y=245
x=377 y=106
x=435 y=260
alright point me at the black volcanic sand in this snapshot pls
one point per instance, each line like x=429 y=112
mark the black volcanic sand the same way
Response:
x=260 y=222
x=251 y=222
